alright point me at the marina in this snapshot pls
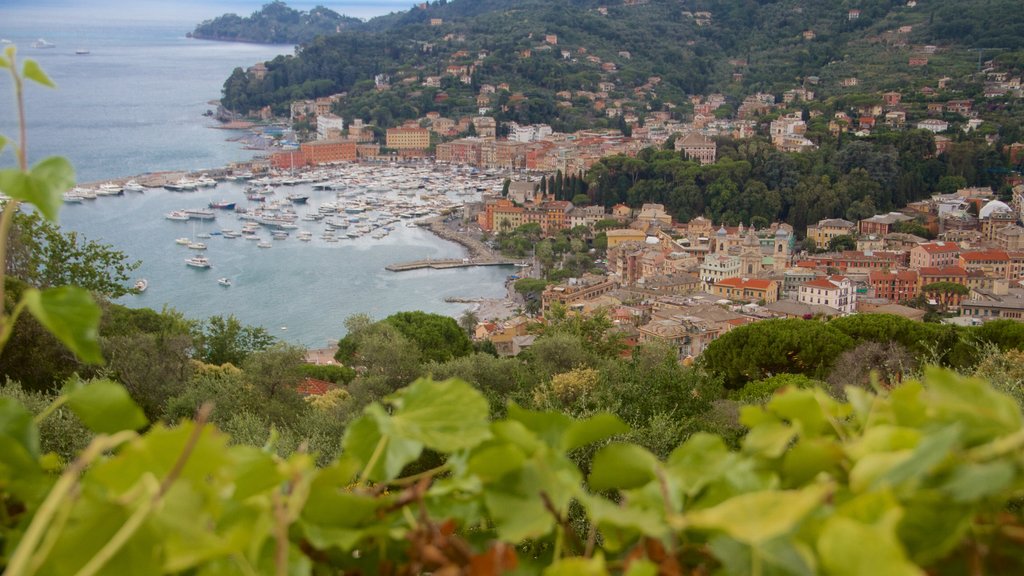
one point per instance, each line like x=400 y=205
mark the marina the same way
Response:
x=327 y=258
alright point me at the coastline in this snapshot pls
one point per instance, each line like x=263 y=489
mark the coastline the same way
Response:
x=445 y=227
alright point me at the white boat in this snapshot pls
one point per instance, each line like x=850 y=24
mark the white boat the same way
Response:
x=182 y=185
x=205 y=181
x=109 y=189
x=133 y=186
x=70 y=198
x=180 y=215
x=263 y=244
x=141 y=285
x=40 y=43
x=82 y=51
x=198 y=262
x=196 y=246
x=224 y=281
x=183 y=241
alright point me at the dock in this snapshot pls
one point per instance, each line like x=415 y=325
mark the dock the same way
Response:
x=444 y=264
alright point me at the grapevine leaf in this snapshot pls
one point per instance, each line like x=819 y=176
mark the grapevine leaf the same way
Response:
x=493 y=462
x=637 y=520
x=6 y=65
x=594 y=429
x=971 y=482
x=622 y=466
x=778 y=557
x=932 y=450
x=985 y=413
x=16 y=423
x=848 y=548
x=810 y=457
x=4 y=140
x=801 y=407
x=43 y=186
x=758 y=517
x=255 y=471
x=642 y=568
x=331 y=503
x=577 y=567
x=445 y=416
x=699 y=461
x=105 y=407
x=71 y=315
x=550 y=426
x=769 y=439
x=365 y=434
x=518 y=517
x=31 y=70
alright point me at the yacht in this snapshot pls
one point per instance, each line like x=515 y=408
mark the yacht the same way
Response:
x=197 y=246
x=177 y=215
x=224 y=281
x=198 y=262
x=133 y=186
x=40 y=43
x=82 y=51
x=141 y=285
x=182 y=185
x=205 y=181
x=263 y=244
x=109 y=189
x=183 y=241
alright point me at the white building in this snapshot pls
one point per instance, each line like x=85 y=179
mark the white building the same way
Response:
x=530 y=133
x=329 y=126
x=717 y=267
x=833 y=291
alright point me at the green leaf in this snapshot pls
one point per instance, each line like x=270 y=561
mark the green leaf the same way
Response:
x=985 y=413
x=5 y=64
x=43 y=186
x=105 y=407
x=363 y=437
x=493 y=462
x=642 y=568
x=16 y=422
x=932 y=450
x=622 y=466
x=577 y=567
x=4 y=140
x=803 y=409
x=549 y=426
x=758 y=517
x=848 y=548
x=700 y=460
x=769 y=440
x=31 y=70
x=594 y=429
x=445 y=416
x=971 y=482
x=779 y=557
x=70 y=314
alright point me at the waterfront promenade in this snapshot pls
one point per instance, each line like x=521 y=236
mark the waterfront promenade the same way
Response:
x=479 y=253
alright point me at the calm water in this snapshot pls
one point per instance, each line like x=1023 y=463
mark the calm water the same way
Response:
x=134 y=105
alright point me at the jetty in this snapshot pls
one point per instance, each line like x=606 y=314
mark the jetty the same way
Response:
x=446 y=263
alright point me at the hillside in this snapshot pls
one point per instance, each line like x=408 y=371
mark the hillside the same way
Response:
x=581 y=47
x=275 y=23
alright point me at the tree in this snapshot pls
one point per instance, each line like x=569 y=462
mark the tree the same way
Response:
x=439 y=338
x=770 y=347
x=44 y=256
x=468 y=321
x=223 y=340
x=842 y=242
x=276 y=371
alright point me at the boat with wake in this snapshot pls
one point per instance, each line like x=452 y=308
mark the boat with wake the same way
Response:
x=141 y=285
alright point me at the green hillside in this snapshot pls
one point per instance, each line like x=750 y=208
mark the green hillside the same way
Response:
x=540 y=48
x=275 y=23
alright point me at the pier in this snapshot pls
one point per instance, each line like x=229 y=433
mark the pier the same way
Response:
x=444 y=264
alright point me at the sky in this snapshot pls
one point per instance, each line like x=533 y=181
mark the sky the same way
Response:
x=196 y=10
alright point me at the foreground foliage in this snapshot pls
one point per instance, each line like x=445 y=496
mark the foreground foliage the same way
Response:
x=892 y=482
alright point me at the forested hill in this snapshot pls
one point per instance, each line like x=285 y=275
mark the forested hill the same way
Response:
x=542 y=47
x=275 y=23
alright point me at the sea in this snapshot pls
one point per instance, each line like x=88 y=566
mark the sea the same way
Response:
x=135 y=104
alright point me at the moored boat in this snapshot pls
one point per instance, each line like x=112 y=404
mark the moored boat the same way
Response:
x=223 y=205
x=198 y=262
x=224 y=281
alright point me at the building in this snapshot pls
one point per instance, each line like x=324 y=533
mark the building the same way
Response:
x=329 y=126
x=697 y=147
x=408 y=138
x=717 y=267
x=326 y=151
x=994 y=263
x=836 y=292
x=933 y=125
x=575 y=291
x=825 y=230
x=747 y=289
x=1001 y=302
x=882 y=224
x=895 y=285
x=934 y=255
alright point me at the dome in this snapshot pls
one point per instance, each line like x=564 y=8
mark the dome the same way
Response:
x=993 y=206
x=722 y=231
x=781 y=233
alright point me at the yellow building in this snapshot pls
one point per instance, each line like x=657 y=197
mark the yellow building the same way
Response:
x=616 y=237
x=408 y=138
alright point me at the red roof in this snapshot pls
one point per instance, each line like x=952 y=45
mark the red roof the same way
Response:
x=905 y=275
x=986 y=255
x=314 y=387
x=754 y=283
x=821 y=283
x=942 y=271
x=939 y=247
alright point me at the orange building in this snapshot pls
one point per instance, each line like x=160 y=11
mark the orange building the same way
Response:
x=408 y=138
x=324 y=151
x=894 y=286
x=747 y=289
